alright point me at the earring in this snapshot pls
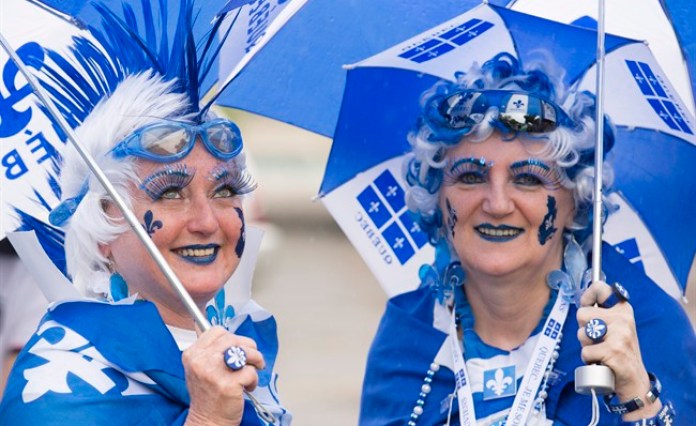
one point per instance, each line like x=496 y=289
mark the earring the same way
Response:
x=117 y=287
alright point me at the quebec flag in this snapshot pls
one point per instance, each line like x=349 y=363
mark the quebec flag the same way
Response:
x=372 y=212
x=101 y=364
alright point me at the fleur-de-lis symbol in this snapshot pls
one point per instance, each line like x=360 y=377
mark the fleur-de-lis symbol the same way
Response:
x=499 y=382
x=518 y=103
x=151 y=225
x=218 y=313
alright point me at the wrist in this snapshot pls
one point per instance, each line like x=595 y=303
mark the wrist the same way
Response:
x=665 y=417
x=614 y=405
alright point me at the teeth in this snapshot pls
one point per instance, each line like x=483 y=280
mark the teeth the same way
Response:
x=196 y=252
x=498 y=232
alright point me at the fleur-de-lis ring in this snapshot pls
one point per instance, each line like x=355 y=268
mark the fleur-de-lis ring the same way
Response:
x=235 y=358
x=596 y=329
x=618 y=294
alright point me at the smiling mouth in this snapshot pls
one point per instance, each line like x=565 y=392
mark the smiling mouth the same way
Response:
x=499 y=233
x=201 y=255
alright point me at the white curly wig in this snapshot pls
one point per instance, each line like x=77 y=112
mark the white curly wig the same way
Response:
x=139 y=100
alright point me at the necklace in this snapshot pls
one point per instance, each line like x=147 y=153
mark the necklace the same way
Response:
x=530 y=399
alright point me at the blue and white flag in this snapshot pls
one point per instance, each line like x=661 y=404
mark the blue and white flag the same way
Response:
x=97 y=363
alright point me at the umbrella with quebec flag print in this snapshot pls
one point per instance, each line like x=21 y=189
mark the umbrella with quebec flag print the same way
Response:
x=363 y=187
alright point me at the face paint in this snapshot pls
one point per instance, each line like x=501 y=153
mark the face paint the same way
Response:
x=533 y=172
x=239 y=248
x=451 y=216
x=150 y=224
x=468 y=170
x=167 y=182
x=546 y=229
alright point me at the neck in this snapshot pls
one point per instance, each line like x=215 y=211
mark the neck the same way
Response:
x=176 y=316
x=507 y=309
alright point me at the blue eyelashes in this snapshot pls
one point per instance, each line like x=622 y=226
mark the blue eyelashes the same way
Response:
x=172 y=178
x=230 y=175
x=533 y=172
x=468 y=170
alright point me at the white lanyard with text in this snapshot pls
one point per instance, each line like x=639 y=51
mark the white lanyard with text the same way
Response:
x=533 y=375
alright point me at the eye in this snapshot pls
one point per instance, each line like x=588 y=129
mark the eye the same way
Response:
x=528 y=179
x=472 y=178
x=225 y=191
x=171 y=194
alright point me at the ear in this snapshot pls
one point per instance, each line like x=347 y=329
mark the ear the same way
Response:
x=104 y=250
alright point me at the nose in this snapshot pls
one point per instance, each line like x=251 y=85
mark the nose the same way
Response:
x=202 y=216
x=497 y=199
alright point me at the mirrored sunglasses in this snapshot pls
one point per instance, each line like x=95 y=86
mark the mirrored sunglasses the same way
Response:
x=518 y=111
x=165 y=142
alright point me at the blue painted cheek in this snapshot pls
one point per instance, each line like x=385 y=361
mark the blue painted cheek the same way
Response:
x=239 y=248
x=546 y=229
x=151 y=225
x=451 y=216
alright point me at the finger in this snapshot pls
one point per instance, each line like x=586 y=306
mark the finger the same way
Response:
x=210 y=337
x=586 y=313
x=248 y=378
x=599 y=290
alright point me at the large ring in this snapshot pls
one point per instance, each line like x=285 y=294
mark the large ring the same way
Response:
x=235 y=358
x=618 y=294
x=596 y=329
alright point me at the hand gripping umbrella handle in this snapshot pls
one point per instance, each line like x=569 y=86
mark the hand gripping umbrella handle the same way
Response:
x=201 y=321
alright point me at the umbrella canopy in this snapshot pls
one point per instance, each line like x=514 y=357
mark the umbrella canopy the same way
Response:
x=297 y=76
x=662 y=24
x=363 y=188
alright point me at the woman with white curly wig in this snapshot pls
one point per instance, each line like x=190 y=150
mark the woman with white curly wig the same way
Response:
x=130 y=353
x=500 y=178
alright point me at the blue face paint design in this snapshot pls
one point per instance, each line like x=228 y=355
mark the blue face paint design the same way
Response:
x=150 y=224
x=239 y=248
x=534 y=172
x=546 y=229
x=167 y=182
x=451 y=216
x=468 y=170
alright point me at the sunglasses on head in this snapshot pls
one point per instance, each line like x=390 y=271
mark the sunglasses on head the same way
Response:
x=518 y=111
x=165 y=142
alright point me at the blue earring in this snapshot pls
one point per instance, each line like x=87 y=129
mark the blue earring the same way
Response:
x=118 y=287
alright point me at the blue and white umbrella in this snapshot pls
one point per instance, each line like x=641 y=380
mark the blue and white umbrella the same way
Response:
x=363 y=187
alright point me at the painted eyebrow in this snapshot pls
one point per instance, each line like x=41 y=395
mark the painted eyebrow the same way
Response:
x=480 y=162
x=530 y=162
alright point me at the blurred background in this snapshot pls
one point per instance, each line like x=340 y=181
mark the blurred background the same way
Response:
x=326 y=301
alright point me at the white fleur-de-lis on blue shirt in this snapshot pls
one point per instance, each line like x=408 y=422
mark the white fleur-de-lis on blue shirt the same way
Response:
x=499 y=382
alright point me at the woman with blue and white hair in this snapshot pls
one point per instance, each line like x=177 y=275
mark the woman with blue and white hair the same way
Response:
x=500 y=178
x=130 y=354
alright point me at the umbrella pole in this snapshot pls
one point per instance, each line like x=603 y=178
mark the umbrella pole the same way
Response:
x=597 y=379
x=200 y=320
x=597 y=212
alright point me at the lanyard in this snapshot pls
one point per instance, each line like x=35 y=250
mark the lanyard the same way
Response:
x=533 y=375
